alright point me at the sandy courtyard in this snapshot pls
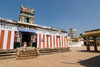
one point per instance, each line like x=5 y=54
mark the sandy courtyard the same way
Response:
x=78 y=57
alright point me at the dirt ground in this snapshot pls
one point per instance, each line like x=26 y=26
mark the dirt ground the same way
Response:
x=77 y=57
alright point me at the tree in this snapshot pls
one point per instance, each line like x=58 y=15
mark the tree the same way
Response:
x=83 y=36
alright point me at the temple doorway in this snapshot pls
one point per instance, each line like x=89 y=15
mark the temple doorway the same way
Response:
x=26 y=37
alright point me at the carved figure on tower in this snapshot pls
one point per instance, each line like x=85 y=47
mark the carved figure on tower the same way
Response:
x=26 y=15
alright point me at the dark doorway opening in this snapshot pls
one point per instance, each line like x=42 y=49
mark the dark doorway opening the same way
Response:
x=27 y=19
x=26 y=37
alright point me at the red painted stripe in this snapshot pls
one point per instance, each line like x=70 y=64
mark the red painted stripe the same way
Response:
x=62 y=41
x=47 y=42
x=56 y=41
x=50 y=41
x=39 y=40
x=59 y=42
x=8 y=39
x=53 y=40
x=44 y=41
x=2 y=39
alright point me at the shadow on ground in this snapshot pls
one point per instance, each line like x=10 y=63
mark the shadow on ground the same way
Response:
x=88 y=51
x=69 y=63
x=92 y=62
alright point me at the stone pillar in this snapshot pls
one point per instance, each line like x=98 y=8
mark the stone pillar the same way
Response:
x=87 y=43
x=95 y=46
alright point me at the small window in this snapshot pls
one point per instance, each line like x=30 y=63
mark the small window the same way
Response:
x=42 y=39
x=27 y=19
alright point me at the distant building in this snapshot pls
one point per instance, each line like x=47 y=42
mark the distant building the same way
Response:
x=74 y=40
x=73 y=33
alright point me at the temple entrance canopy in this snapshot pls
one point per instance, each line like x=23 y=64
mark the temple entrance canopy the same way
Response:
x=94 y=34
x=27 y=36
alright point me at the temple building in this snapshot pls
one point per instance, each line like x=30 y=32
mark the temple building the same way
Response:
x=74 y=40
x=14 y=33
x=73 y=33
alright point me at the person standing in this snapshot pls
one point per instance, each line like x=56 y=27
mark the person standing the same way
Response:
x=24 y=46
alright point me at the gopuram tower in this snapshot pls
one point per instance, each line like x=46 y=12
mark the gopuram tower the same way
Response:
x=26 y=15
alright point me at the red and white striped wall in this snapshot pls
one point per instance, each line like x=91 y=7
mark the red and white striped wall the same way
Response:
x=51 y=41
x=6 y=39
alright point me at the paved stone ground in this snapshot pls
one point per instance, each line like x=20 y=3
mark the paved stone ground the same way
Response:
x=78 y=57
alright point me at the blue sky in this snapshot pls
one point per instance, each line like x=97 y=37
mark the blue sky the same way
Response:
x=80 y=14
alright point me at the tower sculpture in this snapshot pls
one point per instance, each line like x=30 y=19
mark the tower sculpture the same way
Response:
x=26 y=15
x=73 y=33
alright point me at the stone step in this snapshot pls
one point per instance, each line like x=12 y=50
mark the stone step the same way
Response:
x=7 y=57
x=52 y=50
x=26 y=52
x=29 y=57
x=30 y=53
x=8 y=51
x=7 y=54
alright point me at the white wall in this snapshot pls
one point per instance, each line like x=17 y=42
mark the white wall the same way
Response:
x=7 y=35
x=50 y=33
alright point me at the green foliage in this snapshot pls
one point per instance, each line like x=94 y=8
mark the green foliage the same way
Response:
x=83 y=36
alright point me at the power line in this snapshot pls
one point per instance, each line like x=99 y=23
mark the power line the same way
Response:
x=60 y=10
